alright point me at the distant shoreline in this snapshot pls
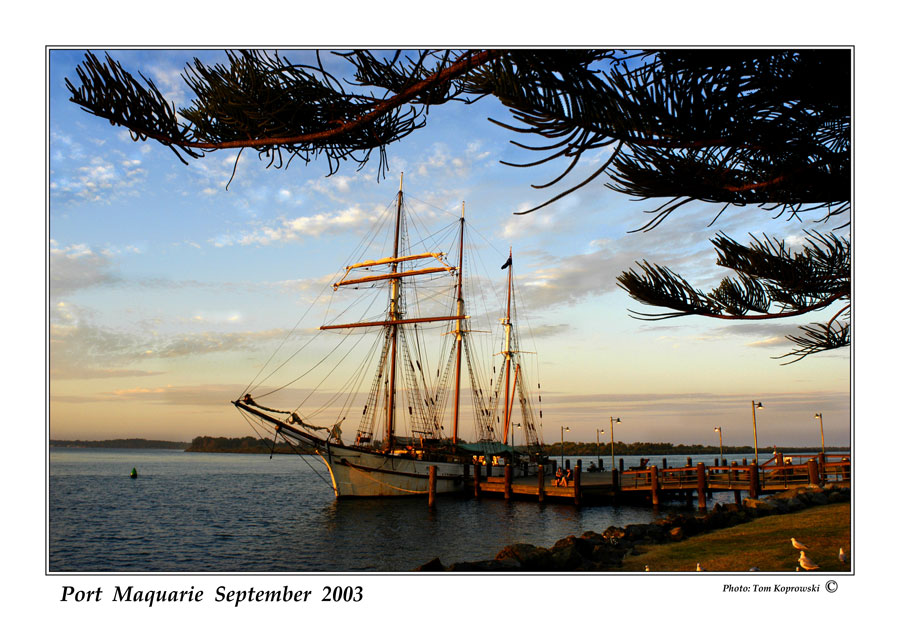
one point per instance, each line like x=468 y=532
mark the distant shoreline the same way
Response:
x=254 y=445
x=119 y=443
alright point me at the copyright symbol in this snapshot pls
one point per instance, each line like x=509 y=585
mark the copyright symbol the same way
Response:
x=831 y=586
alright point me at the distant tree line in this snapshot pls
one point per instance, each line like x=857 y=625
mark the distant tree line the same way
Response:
x=117 y=443
x=666 y=448
x=247 y=444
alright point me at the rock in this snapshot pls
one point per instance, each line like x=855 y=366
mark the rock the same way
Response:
x=812 y=496
x=778 y=504
x=614 y=534
x=593 y=538
x=664 y=523
x=636 y=531
x=794 y=504
x=434 y=565
x=529 y=557
x=817 y=498
x=711 y=521
x=607 y=556
x=566 y=557
x=676 y=534
x=759 y=505
x=492 y=565
x=656 y=533
x=583 y=546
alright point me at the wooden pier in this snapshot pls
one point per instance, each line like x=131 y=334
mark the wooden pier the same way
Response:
x=654 y=484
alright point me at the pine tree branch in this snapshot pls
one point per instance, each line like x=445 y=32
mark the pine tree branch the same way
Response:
x=799 y=282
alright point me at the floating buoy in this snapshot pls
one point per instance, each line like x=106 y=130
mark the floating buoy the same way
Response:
x=134 y=473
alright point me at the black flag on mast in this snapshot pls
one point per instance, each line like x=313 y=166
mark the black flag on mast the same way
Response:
x=507 y=263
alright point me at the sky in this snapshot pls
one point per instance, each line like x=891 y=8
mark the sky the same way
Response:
x=170 y=286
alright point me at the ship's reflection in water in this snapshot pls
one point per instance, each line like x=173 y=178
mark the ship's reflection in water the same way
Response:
x=403 y=533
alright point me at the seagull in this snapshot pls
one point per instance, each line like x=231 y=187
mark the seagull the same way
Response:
x=842 y=556
x=797 y=544
x=806 y=563
x=700 y=568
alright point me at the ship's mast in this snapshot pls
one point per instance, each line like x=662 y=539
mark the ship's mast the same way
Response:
x=394 y=316
x=459 y=330
x=507 y=324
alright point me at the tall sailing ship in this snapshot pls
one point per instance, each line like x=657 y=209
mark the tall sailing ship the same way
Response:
x=410 y=419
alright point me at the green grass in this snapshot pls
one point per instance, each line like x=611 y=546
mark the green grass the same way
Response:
x=764 y=543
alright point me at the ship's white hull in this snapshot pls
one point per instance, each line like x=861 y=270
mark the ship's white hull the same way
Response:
x=358 y=473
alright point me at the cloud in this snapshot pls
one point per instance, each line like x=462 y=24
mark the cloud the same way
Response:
x=440 y=162
x=774 y=341
x=210 y=342
x=83 y=350
x=766 y=333
x=676 y=401
x=298 y=228
x=169 y=81
x=681 y=417
x=203 y=395
x=75 y=267
x=529 y=224
x=194 y=395
x=573 y=279
x=99 y=180
x=340 y=184
x=216 y=317
x=593 y=272
x=546 y=331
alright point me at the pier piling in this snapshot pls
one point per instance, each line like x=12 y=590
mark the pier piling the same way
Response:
x=540 y=476
x=701 y=486
x=813 y=472
x=754 y=481
x=577 y=484
x=477 y=481
x=432 y=485
x=654 y=485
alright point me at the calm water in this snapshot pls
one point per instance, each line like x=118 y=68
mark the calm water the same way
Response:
x=206 y=512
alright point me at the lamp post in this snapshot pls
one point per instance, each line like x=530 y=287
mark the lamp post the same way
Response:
x=821 y=430
x=562 y=448
x=721 y=456
x=513 y=429
x=612 y=439
x=754 y=406
x=600 y=431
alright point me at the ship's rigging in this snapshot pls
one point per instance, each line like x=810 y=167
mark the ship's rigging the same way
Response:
x=401 y=402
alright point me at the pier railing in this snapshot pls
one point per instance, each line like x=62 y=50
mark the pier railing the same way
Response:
x=776 y=474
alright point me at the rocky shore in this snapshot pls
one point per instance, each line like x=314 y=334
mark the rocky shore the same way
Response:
x=603 y=552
